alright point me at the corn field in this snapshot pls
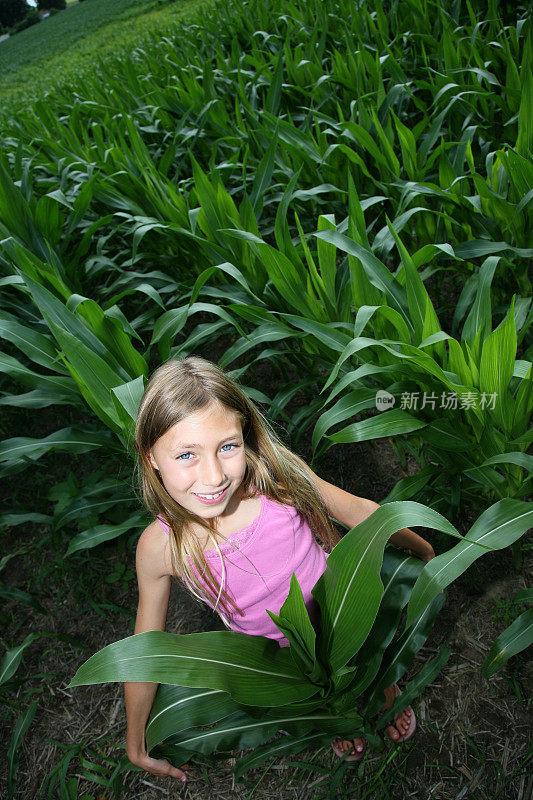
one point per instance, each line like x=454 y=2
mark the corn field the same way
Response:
x=343 y=191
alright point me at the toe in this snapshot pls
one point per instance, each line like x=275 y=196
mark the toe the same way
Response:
x=393 y=732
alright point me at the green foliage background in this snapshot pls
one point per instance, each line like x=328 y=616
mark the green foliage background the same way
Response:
x=343 y=189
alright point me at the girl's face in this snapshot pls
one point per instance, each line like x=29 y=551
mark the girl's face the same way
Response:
x=201 y=461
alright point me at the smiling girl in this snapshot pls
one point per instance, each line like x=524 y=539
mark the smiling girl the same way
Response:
x=236 y=513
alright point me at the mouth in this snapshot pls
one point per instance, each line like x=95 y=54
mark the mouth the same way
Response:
x=211 y=498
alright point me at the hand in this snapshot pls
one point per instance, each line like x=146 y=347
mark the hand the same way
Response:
x=157 y=766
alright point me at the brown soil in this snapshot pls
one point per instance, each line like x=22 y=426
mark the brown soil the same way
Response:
x=472 y=740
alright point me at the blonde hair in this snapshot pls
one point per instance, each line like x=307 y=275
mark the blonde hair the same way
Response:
x=183 y=387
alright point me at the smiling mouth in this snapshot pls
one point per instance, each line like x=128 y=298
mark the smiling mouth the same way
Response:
x=213 y=496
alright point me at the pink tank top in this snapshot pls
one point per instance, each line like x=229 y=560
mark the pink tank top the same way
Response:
x=259 y=561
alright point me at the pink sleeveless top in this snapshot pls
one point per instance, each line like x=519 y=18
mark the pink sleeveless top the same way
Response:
x=259 y=561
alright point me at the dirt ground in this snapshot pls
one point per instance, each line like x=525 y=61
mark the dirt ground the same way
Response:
x=473 y=736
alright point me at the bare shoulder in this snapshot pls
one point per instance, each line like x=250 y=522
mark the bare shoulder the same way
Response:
x=153 y=553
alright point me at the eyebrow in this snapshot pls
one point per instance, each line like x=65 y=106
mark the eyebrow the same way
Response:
x=192 y=446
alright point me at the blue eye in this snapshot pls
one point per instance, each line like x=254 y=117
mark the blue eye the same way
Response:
x=184 y=457
x=227 y=445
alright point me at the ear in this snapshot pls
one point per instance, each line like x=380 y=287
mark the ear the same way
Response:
x=151 y=459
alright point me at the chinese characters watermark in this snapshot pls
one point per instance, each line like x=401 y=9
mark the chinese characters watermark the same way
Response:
x=449 y=401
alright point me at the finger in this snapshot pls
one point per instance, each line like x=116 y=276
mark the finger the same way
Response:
x=164 y=768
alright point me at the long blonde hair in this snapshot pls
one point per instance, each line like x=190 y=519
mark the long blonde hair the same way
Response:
x=183 y=387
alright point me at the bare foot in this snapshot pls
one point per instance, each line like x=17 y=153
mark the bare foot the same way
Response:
x=401 y=729
x=402 y=722
x=356 y=748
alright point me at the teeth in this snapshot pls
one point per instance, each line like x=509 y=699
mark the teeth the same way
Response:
x=210 y=496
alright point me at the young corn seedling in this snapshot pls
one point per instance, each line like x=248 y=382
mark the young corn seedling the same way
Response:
x=224 y=690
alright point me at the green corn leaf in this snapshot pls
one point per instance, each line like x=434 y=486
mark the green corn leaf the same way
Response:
x=97 y=494
x=398 y=573
x=420 y=306
x=415 y=687
x=286 y=745
x=19 y=596
x=410 y=486
x=56 y=385
x=386 y=160
x=240 y=731
x=480 y=314
x=446 y=435
x=265 y=168
x=349 y=405
x=388 y=423
x=12 y=520
x=497 y=366
x=111 y=335
x=377 y=272
x=273 y=97
x=408 y=145
x=35 y=345
x=523 y=405
x=58 y=316
x=38 y=399
x=520 y=459
x=294 y=622
x=399 y=655
x=521 y=369
x=227 y=268
x=346 y=616
x=365 y=314
x=192 y=706
x=327 y=257
x=98 y=534
x=281 y=229
x=269 y=332
x=497 y=527
x=352 y=377
x=354 y=346
x=384 y=239
x=316 y=278
x=328 y=335
x=523 y=596
x=291 y=281
x=169 y=324
x=457 y=363
x=129 y=395
x=514 y=639
x=94 y=377
x=13 y=657
x=484 y=247
x=524 y=141
x=22 y=724
x=252 y=669
x=67 y=440
x=356 y=219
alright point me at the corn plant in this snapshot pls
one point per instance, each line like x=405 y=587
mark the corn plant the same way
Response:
x=326 y=683
x=515 y=638
x=432 y=109
x=79 y=355
x=479 y=441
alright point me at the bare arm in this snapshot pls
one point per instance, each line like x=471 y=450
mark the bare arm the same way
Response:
x=351 y=510
x=154 y=591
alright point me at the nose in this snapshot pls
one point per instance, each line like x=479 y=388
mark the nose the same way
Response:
x=211 y=473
